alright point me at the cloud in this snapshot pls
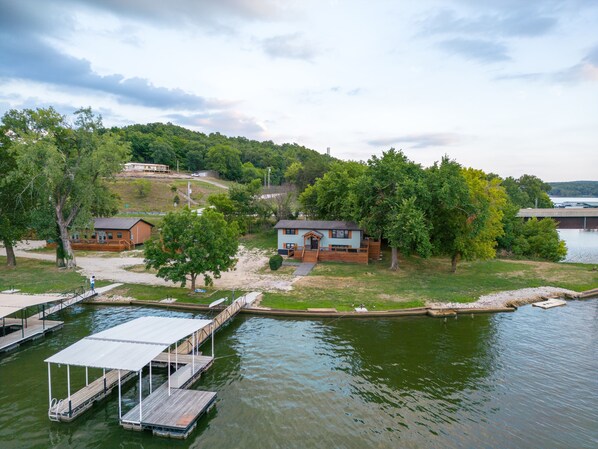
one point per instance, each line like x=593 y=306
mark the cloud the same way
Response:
x=229 y=123
x=481 y=50
x=584 y=71
x=512 y=23
x=34 y=60
x=417 y=141
x=290 y=46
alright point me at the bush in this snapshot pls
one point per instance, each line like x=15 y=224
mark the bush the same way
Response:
x=275 y=262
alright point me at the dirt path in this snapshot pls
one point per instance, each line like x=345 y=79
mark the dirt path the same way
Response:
x=248 y=274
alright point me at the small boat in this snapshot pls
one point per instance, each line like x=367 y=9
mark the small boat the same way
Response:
x=217 y=302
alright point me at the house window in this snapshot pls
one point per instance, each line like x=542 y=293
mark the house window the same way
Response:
x=93 y=236
x=340 y=246
x=290 y=245
x=119 y=235
x=110 y=236
x=339 y=234
x=290 y=231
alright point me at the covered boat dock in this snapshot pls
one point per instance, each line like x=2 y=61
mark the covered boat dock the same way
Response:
x=16 y=330
x=122 y=352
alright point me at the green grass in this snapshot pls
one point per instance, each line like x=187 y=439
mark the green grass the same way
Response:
x=185 y=295
x=160 y=197
x=37 y=276
x=265 y=240
x=345 y=286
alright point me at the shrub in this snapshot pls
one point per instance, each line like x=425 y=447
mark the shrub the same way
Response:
x=275 y=262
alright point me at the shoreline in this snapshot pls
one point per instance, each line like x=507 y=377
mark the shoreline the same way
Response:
x=502 y=302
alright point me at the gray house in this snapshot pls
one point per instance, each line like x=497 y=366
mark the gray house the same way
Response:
x=318 y=240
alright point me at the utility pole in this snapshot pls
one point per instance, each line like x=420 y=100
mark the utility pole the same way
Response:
x=189 y=194
x=269 y=169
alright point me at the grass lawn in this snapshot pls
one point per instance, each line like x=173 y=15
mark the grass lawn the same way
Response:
x=345 y=286
x=160 y=197
x=37 y=276
x=266 y=240
x=157 y=293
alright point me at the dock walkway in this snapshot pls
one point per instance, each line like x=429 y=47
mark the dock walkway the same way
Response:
x=32 y=330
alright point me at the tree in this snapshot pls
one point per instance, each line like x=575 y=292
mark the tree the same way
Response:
x=142 y=187
x=16 y=200
x=379 y=205
x=67 y=165
x=162 y=153
x=191 y=245
x=528 y=191
x=540 y=239
x=226 y=160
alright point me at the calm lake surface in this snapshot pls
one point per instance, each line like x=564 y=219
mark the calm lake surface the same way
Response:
x=527 y=379
x=582 y=246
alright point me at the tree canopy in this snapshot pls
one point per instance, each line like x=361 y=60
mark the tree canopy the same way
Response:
x=67 y=165
x=190 y=245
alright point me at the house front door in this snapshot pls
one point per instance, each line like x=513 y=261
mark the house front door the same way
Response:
x=314 y=243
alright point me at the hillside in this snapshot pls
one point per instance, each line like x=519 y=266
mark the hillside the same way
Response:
x=159 y=196
x=574 y=189
x=235 y=158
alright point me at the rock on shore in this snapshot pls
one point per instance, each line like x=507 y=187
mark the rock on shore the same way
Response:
x=512 y=298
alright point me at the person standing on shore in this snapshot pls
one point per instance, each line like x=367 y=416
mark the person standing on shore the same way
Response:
x=92 y=284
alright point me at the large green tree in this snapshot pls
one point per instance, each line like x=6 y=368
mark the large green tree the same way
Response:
x=16 y=200
x=380 y=205
x=68 y=164
x=190 y=245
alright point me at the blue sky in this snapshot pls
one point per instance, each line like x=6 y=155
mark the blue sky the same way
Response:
x=507 y=86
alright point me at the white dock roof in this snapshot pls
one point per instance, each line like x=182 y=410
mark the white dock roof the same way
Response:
x=107 y=354
x=13 y=302
x=153 y=329
x=129 y=346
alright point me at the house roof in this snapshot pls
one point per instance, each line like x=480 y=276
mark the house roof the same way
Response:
x=558 y=213
x=117 y=223
x=317 y=224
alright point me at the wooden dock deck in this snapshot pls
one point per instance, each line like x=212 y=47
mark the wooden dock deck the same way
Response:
x=173 y=416
x=33 y=329
x=101 y=387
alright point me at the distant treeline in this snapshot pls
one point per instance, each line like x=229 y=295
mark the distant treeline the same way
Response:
x=235 y=158
x=574 y=189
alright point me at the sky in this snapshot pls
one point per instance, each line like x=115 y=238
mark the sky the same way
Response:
x=507 y=86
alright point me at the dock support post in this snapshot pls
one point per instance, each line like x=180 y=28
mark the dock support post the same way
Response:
x=86 y=376
x=193 y=355
x=119 y=396
x=176 y=356
x=49 y=386
x=168 y=370
x=68 y=384
x=212 y=339
x=22 y=325
x=140 y=395
x=150 y=377
x=43 y=316
x=104 y=375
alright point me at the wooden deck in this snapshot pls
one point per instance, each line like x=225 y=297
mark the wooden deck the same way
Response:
x=84 y=398
x=33 y=329
x=173 y=416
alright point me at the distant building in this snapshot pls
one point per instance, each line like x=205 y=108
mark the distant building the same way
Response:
x=113 y=234
x=314 y=241
x=145 y=167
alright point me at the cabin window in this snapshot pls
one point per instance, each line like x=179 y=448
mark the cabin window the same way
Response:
x=110 y=236
x=290 y=245
x=290 y=231
x=119 y=235
x=93 y=236
x=340 y=234
x=85 y=236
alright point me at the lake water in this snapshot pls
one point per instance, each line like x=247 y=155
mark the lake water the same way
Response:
x=518 y=380
x=582 y=246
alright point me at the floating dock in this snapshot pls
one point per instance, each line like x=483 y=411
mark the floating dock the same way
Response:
x=550 y=303
x=122 y=352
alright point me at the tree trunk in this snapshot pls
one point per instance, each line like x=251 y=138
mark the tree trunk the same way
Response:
x=454 y=260
x=11 y=260
x=193 y=277
x=68 y=256
x=394 y=263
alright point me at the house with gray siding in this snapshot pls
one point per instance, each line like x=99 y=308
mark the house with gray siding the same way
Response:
x=318 y=240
